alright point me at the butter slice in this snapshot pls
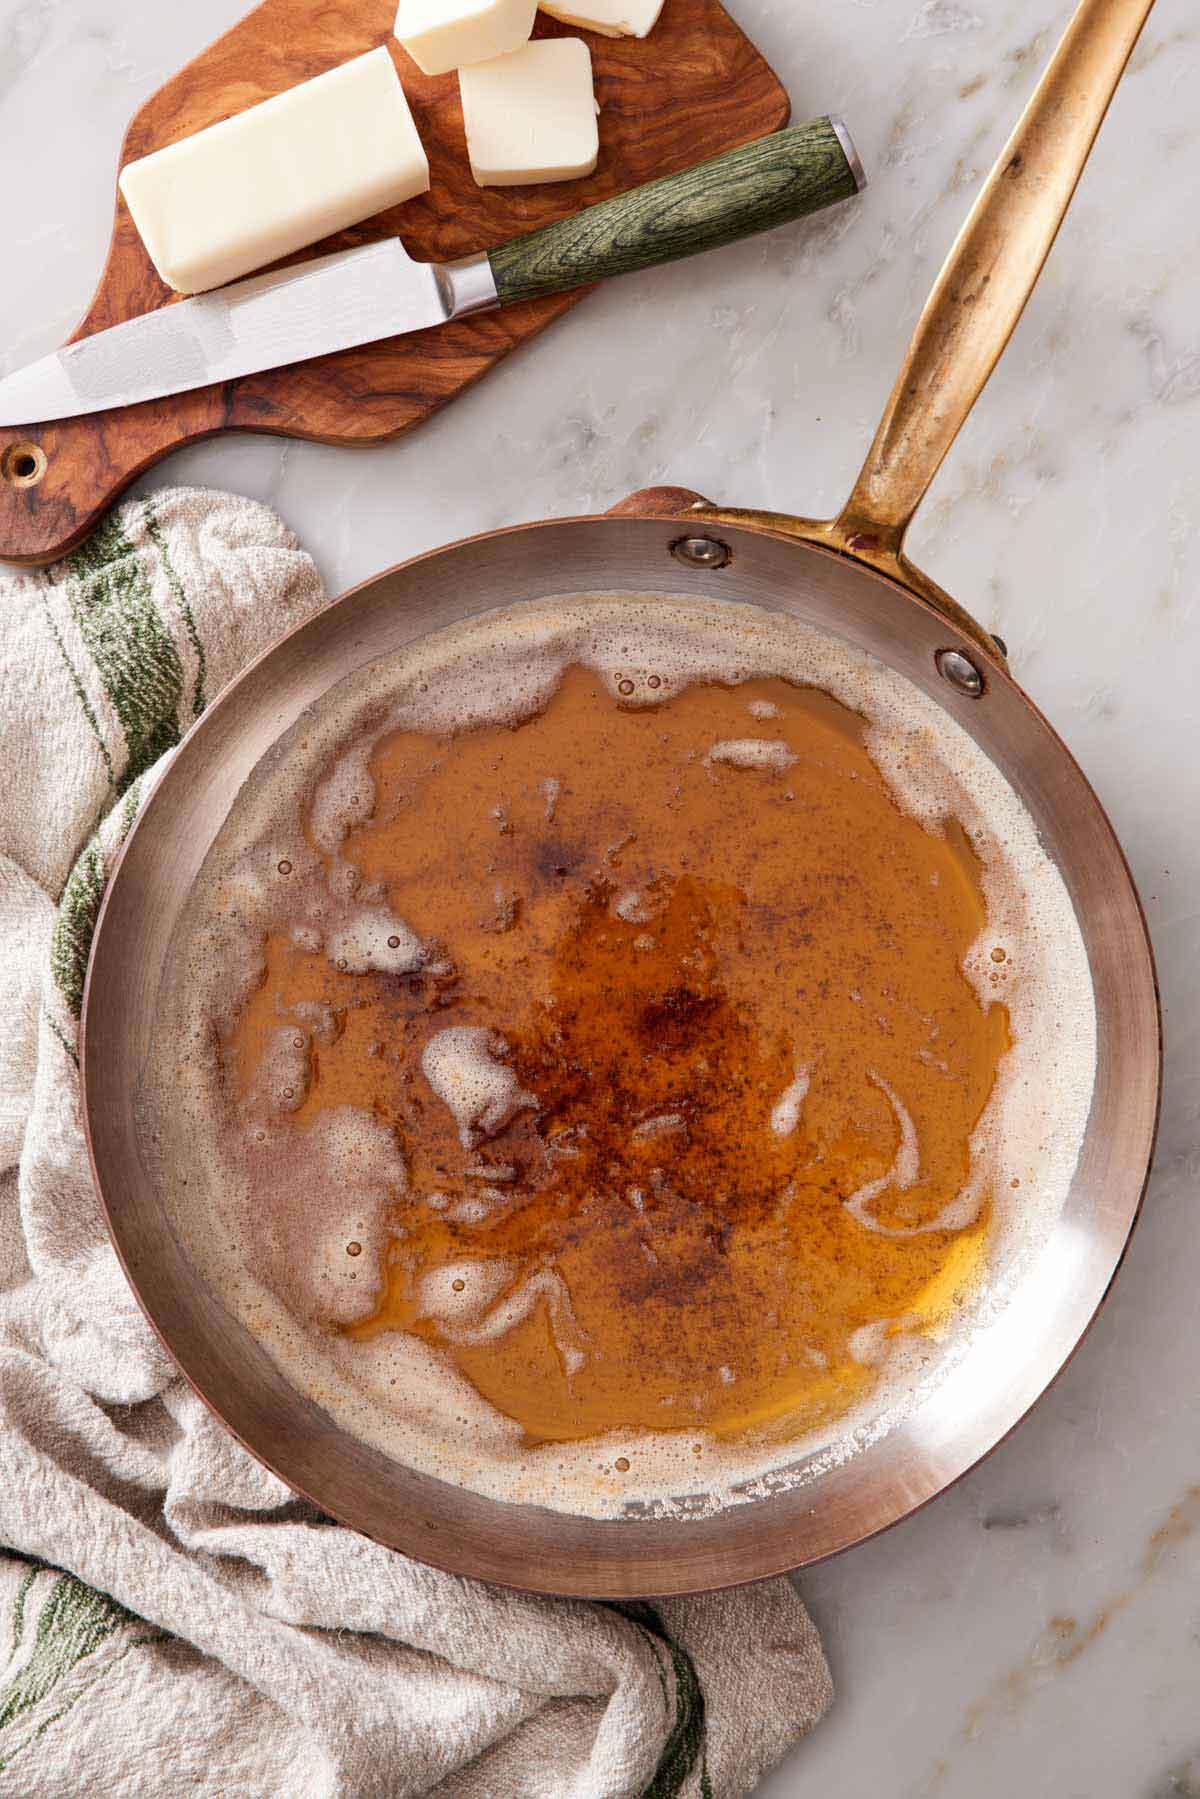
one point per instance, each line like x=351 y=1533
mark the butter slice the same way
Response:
x=441 y=35
x=531 y=116
x=291 y=170
x=611 y=18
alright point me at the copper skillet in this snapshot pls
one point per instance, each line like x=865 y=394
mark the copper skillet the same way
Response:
x=850 y=577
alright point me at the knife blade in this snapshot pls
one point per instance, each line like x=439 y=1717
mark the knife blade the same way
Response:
x=375 y=291
x=327 y=304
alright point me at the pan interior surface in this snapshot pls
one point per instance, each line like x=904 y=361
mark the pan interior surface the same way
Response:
x=1005 y=1362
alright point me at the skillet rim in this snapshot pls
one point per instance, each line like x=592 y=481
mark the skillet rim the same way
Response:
x=995 y=671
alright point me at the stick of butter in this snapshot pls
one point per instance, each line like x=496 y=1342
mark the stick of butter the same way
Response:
x=531 y=116
x=441 y=35
x=611 y=18
x=291 y=170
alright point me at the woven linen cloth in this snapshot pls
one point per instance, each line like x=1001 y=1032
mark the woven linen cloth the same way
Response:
x=173 y=1619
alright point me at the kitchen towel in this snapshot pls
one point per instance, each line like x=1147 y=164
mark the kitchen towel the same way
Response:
x=173 y=1620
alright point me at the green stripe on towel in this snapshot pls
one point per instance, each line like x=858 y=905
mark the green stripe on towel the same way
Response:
x=112 y=603
x=74 y=1621
x=685 y=1745
x=79 y=908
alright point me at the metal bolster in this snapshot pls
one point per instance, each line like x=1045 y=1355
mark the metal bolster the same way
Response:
x=851 y=154
x=466 y=286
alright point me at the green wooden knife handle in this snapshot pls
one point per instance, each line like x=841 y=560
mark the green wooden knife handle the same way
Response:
x=766 y=183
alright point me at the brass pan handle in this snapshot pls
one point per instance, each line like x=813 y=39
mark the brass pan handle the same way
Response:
x=975 y=304
x=991 y=271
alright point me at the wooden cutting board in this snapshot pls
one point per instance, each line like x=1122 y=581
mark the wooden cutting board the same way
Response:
x=694 y=87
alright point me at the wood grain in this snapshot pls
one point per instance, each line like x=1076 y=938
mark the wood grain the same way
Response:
x=658 y=502
x=695 y=87
x=781 y=177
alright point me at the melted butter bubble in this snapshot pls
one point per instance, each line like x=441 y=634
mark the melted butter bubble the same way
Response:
x=752 y=752
x=371 y=939
x=462 y=1064
x=785 y=1113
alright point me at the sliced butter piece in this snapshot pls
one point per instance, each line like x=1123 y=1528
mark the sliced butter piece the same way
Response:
x=531 y=116
x=611 y=18
x=441 y=35
x=279 y=176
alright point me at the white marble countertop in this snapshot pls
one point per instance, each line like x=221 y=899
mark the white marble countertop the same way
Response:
x=1038 y=1629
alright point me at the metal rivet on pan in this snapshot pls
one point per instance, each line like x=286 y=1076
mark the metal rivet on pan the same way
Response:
x=960 y=671
x=702 y=552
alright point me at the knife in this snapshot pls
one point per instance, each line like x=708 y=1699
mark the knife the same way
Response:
x=357 y=296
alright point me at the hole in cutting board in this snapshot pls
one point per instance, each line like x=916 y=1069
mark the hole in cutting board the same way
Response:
x=23 y=464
